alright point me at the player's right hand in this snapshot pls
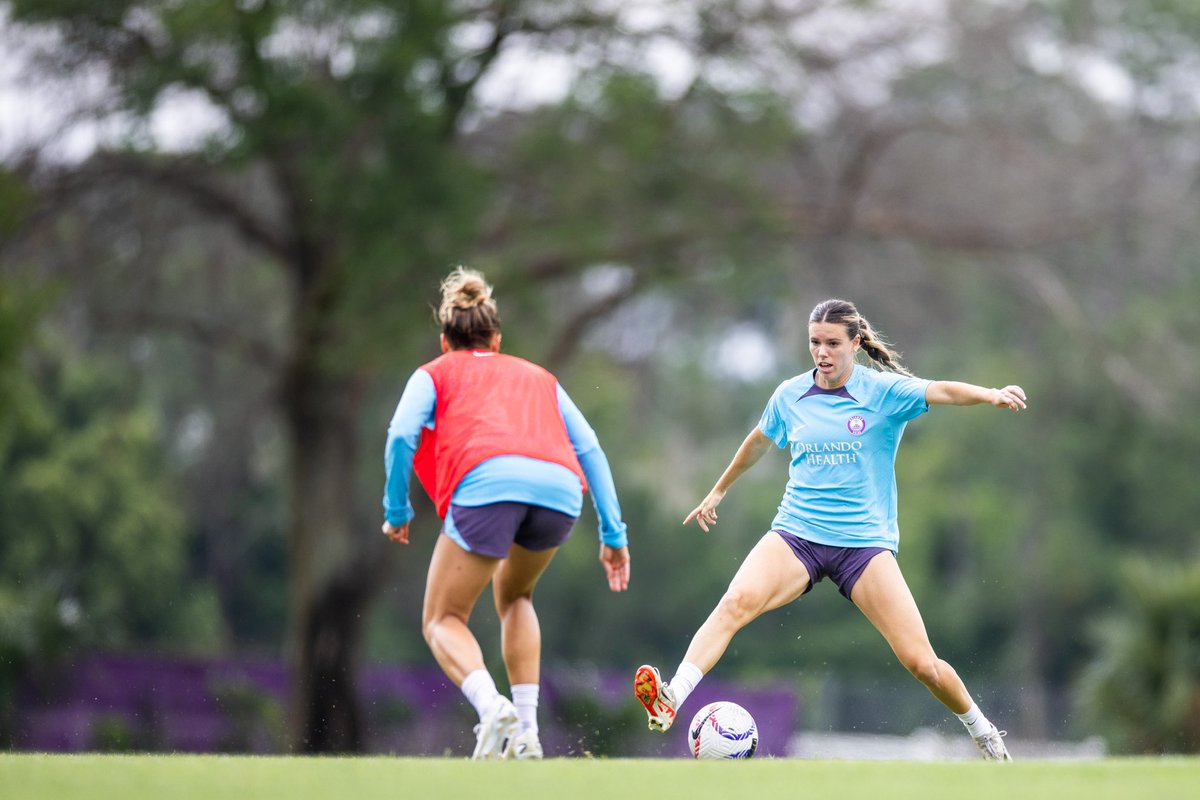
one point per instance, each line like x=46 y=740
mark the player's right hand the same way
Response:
x=616 y=566
x=705 y=514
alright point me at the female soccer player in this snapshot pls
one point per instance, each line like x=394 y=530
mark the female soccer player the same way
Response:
x=504 y=454
x=843 y=422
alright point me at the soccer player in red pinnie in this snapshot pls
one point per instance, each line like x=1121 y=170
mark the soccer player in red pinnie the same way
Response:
x=506 y=456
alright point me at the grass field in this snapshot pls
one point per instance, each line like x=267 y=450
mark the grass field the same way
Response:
x=98 y=777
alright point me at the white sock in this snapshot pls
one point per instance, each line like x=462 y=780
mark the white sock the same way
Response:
x=686 y=678
x=481 y=691
x=525 y=698
x=977 y=724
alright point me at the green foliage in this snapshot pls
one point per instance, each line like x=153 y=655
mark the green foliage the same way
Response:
x=1152 y=39
x=15 y=199
x=113 y=733
x=89 y=511
x=92 y=543
x=654 y=183
x=255 y=718
x=338 y=116
x=1143 y=688
x=18 y=309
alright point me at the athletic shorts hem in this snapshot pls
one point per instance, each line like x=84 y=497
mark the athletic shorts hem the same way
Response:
x=842 y=565
x=491 y=530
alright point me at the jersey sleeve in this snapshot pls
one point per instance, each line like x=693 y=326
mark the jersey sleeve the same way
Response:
x=613 y=531
x=771 y=422
x=904 y=399
x=414 y=412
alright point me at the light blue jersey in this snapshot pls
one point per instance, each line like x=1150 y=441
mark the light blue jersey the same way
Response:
x=841 y=488
x=512 y=479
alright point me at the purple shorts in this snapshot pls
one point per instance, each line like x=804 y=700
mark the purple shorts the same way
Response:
x=492 y=529
x=843 y=565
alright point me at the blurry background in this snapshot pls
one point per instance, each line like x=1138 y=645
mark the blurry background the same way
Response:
x=222 y=227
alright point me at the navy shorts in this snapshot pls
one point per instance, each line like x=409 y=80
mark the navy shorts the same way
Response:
x=492 y=529
x=843 y=565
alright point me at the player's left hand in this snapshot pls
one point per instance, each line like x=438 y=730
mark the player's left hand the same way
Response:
x=397 y=533
x=1011 y=396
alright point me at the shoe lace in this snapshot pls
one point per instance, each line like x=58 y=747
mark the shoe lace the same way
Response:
x=992 y=741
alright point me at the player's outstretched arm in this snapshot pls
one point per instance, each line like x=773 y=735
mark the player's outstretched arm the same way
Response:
x=751 y=450
x=956 y=393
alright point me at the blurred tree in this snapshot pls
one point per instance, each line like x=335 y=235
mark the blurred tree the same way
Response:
x=331 y=160
x=335 y=157
x=92 y=547
x=339 y=157
x=658 y=242
x=1143 y=688
x=143 y=280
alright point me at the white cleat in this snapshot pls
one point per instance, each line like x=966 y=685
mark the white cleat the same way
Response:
x=991 y=744
x=656 y=697
x=522 y=746
x=497 y=727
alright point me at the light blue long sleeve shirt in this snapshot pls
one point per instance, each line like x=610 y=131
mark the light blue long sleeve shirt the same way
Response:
x=511 y=479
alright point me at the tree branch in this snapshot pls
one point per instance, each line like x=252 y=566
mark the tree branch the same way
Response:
x=1041 y=282
x=189 y=180
x=570 y=337
x=459 y=92
x=209 y=332
x=857 y=171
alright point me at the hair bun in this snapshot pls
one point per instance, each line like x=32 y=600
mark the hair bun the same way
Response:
x=465 y=290
x=472 y=291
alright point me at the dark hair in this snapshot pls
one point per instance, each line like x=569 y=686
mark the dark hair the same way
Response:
x=843 y=312
x=468 y=313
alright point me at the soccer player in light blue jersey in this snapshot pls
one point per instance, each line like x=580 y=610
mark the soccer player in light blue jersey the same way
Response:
x=842 y=422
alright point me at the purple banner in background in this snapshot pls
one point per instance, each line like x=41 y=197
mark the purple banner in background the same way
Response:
x=159 y=704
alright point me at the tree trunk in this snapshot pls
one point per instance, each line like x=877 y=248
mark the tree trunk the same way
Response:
x=327 y=703
x=330 y=580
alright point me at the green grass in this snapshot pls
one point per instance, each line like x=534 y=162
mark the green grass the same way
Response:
x=100 y=777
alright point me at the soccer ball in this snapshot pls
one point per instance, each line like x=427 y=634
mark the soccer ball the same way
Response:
x=723 y=730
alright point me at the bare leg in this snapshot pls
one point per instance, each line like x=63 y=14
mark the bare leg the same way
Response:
x=520 y=633
x=883 y=596
x=456 y=579
x=770 y=577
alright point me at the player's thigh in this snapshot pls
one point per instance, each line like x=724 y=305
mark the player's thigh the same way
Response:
x=519 y=573
x=883 y=596
x=770 y=576
x=456 y=579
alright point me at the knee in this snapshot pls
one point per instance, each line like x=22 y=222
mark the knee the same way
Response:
x=433 y=626
x=739 y=606
x=506 y=602
x=430 y=628
x=925 y=667
x=434 y=623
